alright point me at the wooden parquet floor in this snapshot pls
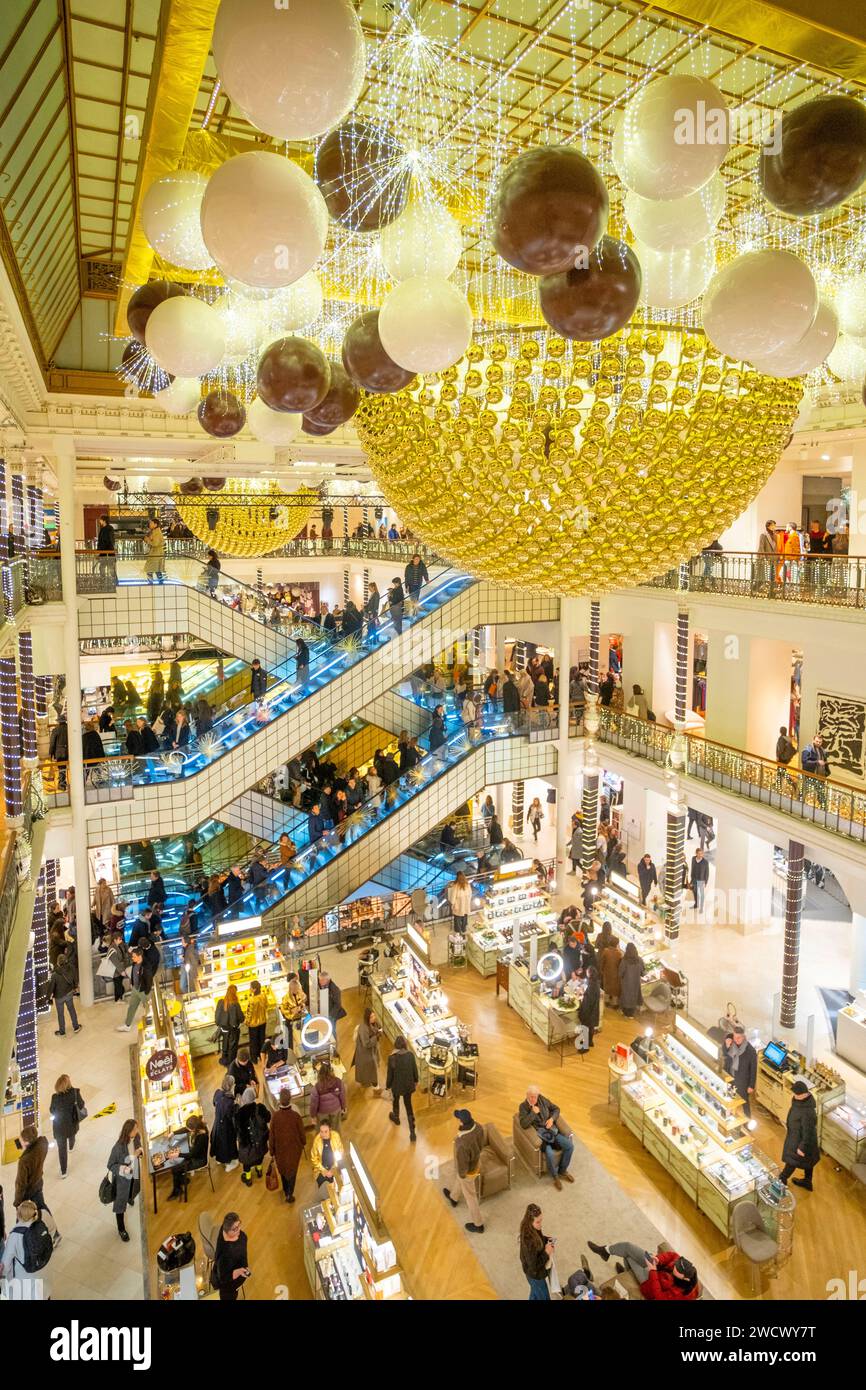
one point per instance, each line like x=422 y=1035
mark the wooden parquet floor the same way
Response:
x=830 y=1231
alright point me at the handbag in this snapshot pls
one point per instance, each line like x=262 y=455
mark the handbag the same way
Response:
x=107 y=1190
x=105 y=970
x=80 y=1108
x=272 y=1177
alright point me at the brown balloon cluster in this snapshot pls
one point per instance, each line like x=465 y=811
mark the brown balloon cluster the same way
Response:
x=192 y=487
x=213 y=484
x=367 y=362
x=363 y=176
x=112 y=484
x=818 y=158
x=293 y=375
x=548 y=218
x=338 y=406
x=143 y=302
x=221 y=414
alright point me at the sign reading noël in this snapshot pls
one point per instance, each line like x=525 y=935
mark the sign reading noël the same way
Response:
x=160 y=1064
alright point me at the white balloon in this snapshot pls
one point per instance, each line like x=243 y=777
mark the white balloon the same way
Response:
x=847 y=361
x=425 y=324
x=263 y=219
x=299 y=305
x=293 y=69
x=673 y=278
x=851 y=307
x=171 y=219
x=423 y=240
x=240 y=326
x=184 y=335
x=181 y=396
x=813 y=348
x=760 y=303
x=672 y=137
x=671 y=225
x=273 y=426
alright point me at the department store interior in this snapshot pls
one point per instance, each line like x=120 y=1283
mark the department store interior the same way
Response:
x=432 y=661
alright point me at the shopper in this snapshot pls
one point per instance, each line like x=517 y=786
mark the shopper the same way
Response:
x=154 y=547
x=287 y=1143
x=223 y=1139
x=666 y=1276
x=141 y=983
x=401 y=1078
x=228 y=1018
x=197 y=1157
x=800 y=1149
x=328 y=1096
x=536 y=1254
x=415 y=576
x=574 y=848
x=119 y=957
x=293 y=1008
x=257 y=1019
x=638 y=705
x=190 y=962
x=251 y=1125
x=589 y=1008
x=366 y=1058
x=538 y=1113
x=242 y=1072
x=156 y=892
x=26 y=1255
x=468 y=1144
x=609 y=956
x=631 y=970
x=326 y=1153
x=534 y=817
x=647 y=875
x=815 y=764
x=371 y=609
x=124 y=1165
x=459 y=895
x=29 y=1176
x=102 y=904
x=65 y=1108
x=335 y=998
x=61 y=987
x=741 y=1064
x=699 y=878
x=230 y=1269
x=396 y=600
x=258 y=680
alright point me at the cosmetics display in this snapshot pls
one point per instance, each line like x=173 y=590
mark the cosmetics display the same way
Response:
x=298 y=1079
x=237 y=963
x=410 y=1000
x=686 y=1114
x=629 y=920
x=851 y=1032
x=843 y=1135
x=167 y=1092
x=779 y=1067
x=553 y=1020
x=348 y=1254
x=513 y=900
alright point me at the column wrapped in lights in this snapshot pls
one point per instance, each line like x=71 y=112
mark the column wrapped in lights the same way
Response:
x=682 y=671
x=675 y=842
x=675 y=832
x=41 y=967
x=35 y=517
x=52 y=868
x=345 y=587
x=28 y=699
x=366 y=586
x=791 y=950
x=518 y=790
x=346 y=522
x=4 y=525
x=8 y=595
x=589 y=794
x=10 y=741
x=17 y=511
x=25 y=1047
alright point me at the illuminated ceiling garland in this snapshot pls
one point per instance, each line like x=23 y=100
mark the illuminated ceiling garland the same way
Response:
x=263 y=526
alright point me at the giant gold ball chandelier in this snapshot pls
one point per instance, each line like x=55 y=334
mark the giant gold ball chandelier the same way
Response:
x=245 y=521
x=574 y=469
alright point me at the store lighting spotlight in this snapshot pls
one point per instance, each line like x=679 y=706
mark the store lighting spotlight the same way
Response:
x=647 y=1032
x=550 y=967
x=316 y=1033
x=752 y=1125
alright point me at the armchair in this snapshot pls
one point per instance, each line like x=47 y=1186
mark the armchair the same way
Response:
x=528 y=1145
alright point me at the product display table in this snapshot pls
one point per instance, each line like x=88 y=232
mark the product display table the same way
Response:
x=773 y=1088
x=348 y=1254
x=843 y=1134
x=851 y=1034
x=298 y=1078
x=487 y=945
x=554 y=1021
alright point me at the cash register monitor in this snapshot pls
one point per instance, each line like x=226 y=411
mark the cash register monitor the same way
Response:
x=776 y=1054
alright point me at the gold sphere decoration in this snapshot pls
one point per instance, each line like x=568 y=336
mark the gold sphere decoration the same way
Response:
x=251 y=517
x=587 y=473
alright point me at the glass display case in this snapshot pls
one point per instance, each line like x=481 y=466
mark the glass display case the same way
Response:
x=348 y=1253
x=514 y=902
x=235 y=963
x=843 y=1134
x=629 y=920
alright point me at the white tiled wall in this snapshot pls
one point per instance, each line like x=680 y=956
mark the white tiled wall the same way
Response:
x=168 y=608
x=263 y=817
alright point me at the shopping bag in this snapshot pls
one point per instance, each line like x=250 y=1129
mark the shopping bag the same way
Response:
x=272 y=1177
x=106 y=969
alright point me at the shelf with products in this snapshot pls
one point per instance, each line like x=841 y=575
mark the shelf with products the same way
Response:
x=719 y=1116
x=167 y=1088
x=236 y=963
x=851 y=1032
x=843 y=1135
x=348 y=1254
x=630 y=921
x=488 y=944
x=410 y=1001
x=779 y=1067
x=553 y=1020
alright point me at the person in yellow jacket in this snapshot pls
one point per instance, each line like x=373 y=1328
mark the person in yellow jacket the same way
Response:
x=257 y=1019
x=326 y=1154
x=293 y=1007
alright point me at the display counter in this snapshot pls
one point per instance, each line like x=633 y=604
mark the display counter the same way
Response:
x=410 y=1001
x=229 y=962
x=619 y=904
x=554 y=1021
x=516 y=909
x=775 y=1082
x=843 y=1135
x=298 y=1078
x=686 y=1115
x=167 y=1090
x=490 y=944
x=348 y=1254
x=851 y=1032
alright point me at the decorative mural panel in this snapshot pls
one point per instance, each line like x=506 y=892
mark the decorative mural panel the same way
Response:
x=842 y=723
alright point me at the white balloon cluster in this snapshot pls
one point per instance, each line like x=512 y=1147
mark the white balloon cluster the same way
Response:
x=425 y=322
x=763 y=307
x=667 y=149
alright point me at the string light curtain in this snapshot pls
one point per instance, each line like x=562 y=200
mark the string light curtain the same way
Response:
x=28 y=697
x=52 y=868
x=10 y=740
x=791 y=950
x=41 y=968
x=25 y=1046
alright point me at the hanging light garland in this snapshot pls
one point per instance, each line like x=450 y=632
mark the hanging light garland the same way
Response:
x=258 y=528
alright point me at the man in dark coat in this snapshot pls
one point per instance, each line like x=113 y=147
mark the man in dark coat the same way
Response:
x=58 y=749
x=396 y=599
x=286 y=1143
x=401 y=1080
x=258 y=680
x=335 y=998
x=149 y=740
x=415 y=576
x=647 y=877
x=800 y=1149
x=105 y=544
x=741 y=1064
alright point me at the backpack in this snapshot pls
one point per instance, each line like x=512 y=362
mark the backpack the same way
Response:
x=38 y=1246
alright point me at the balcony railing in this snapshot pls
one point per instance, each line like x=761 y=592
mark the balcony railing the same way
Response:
x=837 y=580
x=823 y=801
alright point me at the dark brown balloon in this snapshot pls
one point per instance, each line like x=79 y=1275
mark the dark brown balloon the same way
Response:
x=821 y=156
x=144 y=301
x=293 y=375
x=551 y=205
x=113 y=484
x=366 y=360
x=213 y=484
x=363 y=175
x=221 y=414
x=191 y=487
x=312 y=427
x=592 y=303
x=341 y=402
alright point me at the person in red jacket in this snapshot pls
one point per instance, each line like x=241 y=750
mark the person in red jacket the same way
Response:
x=666 y=1275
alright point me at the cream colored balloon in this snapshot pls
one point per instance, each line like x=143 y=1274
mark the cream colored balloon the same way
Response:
x=171 y=219
x=273 y=426
x=297 y=306
x=851 y=306
x=263 y=220
x=181 y=396
x=673 y=137
x=185 y=337
x=294 y=69
x=671 y=225
x=847 y=361
x=813 y=348
x=671 y=279
x=760 y=303
x=425 y=324
x=423 y=240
